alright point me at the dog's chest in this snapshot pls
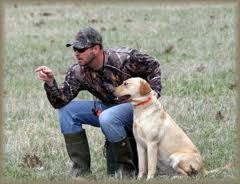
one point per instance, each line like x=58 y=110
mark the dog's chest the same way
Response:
x=143 y=127
x=139 y=133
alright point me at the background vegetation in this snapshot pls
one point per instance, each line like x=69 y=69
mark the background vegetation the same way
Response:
x=194 y=43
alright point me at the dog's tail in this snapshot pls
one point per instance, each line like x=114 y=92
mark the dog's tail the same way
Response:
x=205 y=172
x=219 y=169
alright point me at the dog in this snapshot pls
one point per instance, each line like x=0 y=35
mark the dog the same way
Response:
x=159 y=139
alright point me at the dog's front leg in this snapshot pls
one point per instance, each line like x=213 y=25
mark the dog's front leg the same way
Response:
x=142 y=161
x=152 y=151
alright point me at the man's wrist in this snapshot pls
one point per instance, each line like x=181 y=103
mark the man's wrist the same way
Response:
x=50 y=83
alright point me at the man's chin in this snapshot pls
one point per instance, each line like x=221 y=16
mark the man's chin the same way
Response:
x=81 y=63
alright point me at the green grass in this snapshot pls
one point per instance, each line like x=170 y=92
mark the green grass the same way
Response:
x=197 y=77
x=213 y=84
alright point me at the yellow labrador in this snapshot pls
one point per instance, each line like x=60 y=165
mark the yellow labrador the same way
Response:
x=159 y=139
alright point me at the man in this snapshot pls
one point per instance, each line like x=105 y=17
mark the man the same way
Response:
x=99 y=71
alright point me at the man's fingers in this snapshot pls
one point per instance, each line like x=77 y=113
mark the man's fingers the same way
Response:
x=45 y=70
x=43 y=76
x=40 y=68
x=40 y=78
x=48 y=72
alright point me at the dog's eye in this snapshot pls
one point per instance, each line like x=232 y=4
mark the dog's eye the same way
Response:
x=125 y=83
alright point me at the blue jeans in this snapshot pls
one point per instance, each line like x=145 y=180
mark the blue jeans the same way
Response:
x=113 y=121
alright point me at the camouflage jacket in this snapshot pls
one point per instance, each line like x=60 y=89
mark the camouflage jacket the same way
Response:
x=121 y=64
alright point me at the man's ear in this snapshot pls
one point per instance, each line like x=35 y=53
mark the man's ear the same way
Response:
x=144 y=88
x=96 y=49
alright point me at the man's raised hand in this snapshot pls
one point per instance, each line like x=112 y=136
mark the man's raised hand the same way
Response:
x=45 y=74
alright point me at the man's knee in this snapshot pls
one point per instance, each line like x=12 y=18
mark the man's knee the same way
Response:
x=112 y=127
x=63 y=114
x=105 y=120
x=66 y=120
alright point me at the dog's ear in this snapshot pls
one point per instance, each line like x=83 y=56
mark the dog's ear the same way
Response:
x=144 y=88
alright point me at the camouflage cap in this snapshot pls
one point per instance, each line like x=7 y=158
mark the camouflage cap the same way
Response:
x=86 y=37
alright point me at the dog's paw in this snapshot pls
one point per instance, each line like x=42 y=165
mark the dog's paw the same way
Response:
x=140 y=176
x=149 y=177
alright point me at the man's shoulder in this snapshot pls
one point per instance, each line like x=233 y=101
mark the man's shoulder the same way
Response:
x=120 y=50
x=119 y=55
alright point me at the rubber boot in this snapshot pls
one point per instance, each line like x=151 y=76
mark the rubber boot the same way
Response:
x=78 y=151
x=111 y=159
x=124 y=157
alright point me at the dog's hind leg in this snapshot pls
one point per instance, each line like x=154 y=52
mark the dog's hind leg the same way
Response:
x=186 y=164
x=181 y=171
x=185 y=167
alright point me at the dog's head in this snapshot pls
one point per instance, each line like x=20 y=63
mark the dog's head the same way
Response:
x=133 y=89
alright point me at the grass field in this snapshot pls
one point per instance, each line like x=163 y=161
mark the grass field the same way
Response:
x=195 y=45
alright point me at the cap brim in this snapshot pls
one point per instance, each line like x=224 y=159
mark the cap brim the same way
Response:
x=76 y=44
x=68 y=44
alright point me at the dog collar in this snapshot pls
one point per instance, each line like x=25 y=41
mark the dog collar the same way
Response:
x=145 y=102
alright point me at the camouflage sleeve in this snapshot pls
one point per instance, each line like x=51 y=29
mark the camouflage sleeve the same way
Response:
x=148 y=68
x=60 y=96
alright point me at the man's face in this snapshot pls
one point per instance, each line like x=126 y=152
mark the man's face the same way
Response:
x=84 y=56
